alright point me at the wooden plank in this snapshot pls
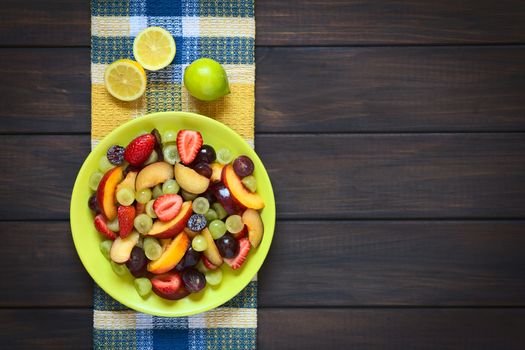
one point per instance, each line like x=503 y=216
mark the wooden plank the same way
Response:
x=45 y=23
x=304 y=329
x=46 y=329
x=302 y=22
x=315 y=176
x=45 y=90
x=391 y=329
x=335 y=89
x=312 y=263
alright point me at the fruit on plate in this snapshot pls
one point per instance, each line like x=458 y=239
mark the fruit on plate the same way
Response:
x=102 y=227
x=154 y=48
x=216 y=169
x=121 y=248
x=225 y=198
x=106 y=192
x=206 y=79
x=139 y=150
x=252 y=220
x=126 y=216
x=170 y=228
x=167 y=206
x=189 y=143
x=194 y=280
x=137 y=262
x=153 y=174
x=169 y=286
x=128 y=182
x=190 y=180
x=244 y=248
x=211 y=252
x=238 y=191
x=125 y=80
x=171 y=256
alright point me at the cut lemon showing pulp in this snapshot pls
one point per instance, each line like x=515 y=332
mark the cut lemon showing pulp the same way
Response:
x=125 y=79
x=154 y=48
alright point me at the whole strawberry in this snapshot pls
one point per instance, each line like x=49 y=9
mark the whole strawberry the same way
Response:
x=139 y=150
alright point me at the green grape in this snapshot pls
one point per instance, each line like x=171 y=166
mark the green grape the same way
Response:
x=143 y=196
x=143 y=223
x=188 y=196
x=104 y=164
x=200 y=266
x=152 y=248
x=125 y=196
x=113 y=225
x=200 y=205
x=234 y=224
x=143 y=286
x=213 y=277
x=170 y=187
x=217 y=229
x=119 y=269
x=171 y=154
x=224 y=156
x=153 y=157
x=105 y=247
x=140 y=242
x=149 y=209
x=211 y=215
x=250 y=183
x=219 y=209
x=199 y=243
x=169 y=136
x=157 y=192
x=94 y=180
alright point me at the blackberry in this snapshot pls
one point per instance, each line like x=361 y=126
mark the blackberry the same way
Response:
x=197 y=222
x=116 y=155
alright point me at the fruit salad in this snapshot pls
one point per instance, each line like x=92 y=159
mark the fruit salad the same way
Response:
x=173 y=211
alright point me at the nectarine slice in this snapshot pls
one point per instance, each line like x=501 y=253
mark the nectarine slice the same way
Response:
x=168 y=229
x=121 y=248
x=171 y=256
x=153 y=174
x=128 y=182
x=106 y=192
x=216 y=169
x=252 y=219
x=238 y=191
x=190 y=180
x=212 y=252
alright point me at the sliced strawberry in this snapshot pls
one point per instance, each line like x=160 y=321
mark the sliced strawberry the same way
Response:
x=244 y=249
x=102 y=227
x=208 y=263
x=189 y=143
x=139 y=150
x=139 y=208
x=126 y=215
x=168 y=285
x=167 y=206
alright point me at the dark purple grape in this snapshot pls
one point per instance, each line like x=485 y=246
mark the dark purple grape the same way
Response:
x=158 y=139
x=116 y=154
x=158 y=144
x=197 y=222
x=243 y=166
x=223 y=196
x=137 y=262
x=194 y=280
x=203 y=169
x=93 y=204
x=228 y=246
x=190 y=259
x=206 y=155
x=209 y=196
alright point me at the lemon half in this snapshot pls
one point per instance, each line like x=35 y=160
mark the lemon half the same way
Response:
x=125 y=79
x=154 y=48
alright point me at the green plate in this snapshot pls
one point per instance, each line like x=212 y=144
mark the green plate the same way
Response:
x=87 y=239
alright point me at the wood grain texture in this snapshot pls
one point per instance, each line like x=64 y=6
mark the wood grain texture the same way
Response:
x=335 y=89
x=302 y=22
x=45 y=23
x=395 y=329
x=304 y=329
x=325 y=263
x=363 y=176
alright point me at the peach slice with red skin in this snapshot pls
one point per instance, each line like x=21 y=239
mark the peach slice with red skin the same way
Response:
x=171 y=255
x=153 y=174
x=190 y=180
x=168 y=229
x=238 y=191
x=212 y=252
x=252 y=220
x=106 y=192
x=120 y=251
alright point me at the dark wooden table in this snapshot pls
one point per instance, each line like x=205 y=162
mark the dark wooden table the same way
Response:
x=393 y=131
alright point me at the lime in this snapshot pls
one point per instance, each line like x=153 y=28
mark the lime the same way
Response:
x=206 y=79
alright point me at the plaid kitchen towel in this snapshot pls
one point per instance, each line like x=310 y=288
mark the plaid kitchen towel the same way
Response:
x=225 y=31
